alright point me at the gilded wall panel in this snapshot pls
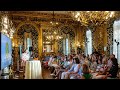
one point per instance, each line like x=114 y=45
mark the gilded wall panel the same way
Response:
x=34 y=36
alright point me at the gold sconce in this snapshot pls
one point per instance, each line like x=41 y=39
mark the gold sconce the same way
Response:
x=78 y=44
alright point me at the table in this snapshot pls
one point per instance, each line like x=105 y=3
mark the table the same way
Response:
x=33 y=70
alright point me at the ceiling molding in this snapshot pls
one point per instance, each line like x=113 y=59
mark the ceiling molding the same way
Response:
x=39 y=14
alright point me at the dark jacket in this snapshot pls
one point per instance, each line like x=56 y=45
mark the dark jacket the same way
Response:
x=113 y=71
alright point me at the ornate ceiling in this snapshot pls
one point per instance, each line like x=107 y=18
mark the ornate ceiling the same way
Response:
x=42 y=18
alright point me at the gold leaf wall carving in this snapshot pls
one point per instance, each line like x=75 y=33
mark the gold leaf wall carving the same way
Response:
x=100 y=34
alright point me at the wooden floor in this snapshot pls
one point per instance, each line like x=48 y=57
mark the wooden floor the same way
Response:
x=46 y=74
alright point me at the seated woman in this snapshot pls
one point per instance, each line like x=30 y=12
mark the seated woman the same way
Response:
x=87 y=62
x=73 y=70
x=56 y=69
x=101 y=74
x=24 y=57
x=93 y=64
x=63 y=67
x=84 y=73
x=68 y=63
x=112 y=73
x=99 y=65
x=114 y=69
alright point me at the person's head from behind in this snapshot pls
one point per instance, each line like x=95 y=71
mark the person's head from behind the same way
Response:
x=104 y=60
x=55 y=57
x=76 y=60
x=65 y=55
x=114 y=61
x=73 y=55
x=112 y=56
x=85 y=69
x=36 y=55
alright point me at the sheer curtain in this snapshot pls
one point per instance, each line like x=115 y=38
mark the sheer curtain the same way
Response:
x=89 y=42
x=29 y=44
x=66 y=46
x=116 y=36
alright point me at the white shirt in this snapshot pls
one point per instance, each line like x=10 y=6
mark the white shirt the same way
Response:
x=50 y=61
x=109 y=64
x=25 y=56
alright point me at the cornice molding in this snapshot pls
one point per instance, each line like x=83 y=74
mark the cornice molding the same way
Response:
x=39 y=15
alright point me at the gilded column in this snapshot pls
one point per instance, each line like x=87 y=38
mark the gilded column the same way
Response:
x=56 y=47
x=76 y=40
x=40 y=42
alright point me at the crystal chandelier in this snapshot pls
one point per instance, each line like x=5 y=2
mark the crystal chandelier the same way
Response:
x=92 y=18
x=53 y=35
x=7 y=26
x=53 y=21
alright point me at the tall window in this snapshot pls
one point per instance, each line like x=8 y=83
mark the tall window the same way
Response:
x=29 y=44
x=88 y=42
x=67 y=49
x=116 y=36
x=66 y=46
x=48 y=48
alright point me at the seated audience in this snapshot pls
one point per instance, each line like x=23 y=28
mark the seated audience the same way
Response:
x=93 y=65
x=73 y=70
x=84 y=73
x=101 y=74
x=78 y=66
x=114 y=69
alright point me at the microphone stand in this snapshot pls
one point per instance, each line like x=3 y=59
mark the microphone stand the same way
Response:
x=117 y=46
